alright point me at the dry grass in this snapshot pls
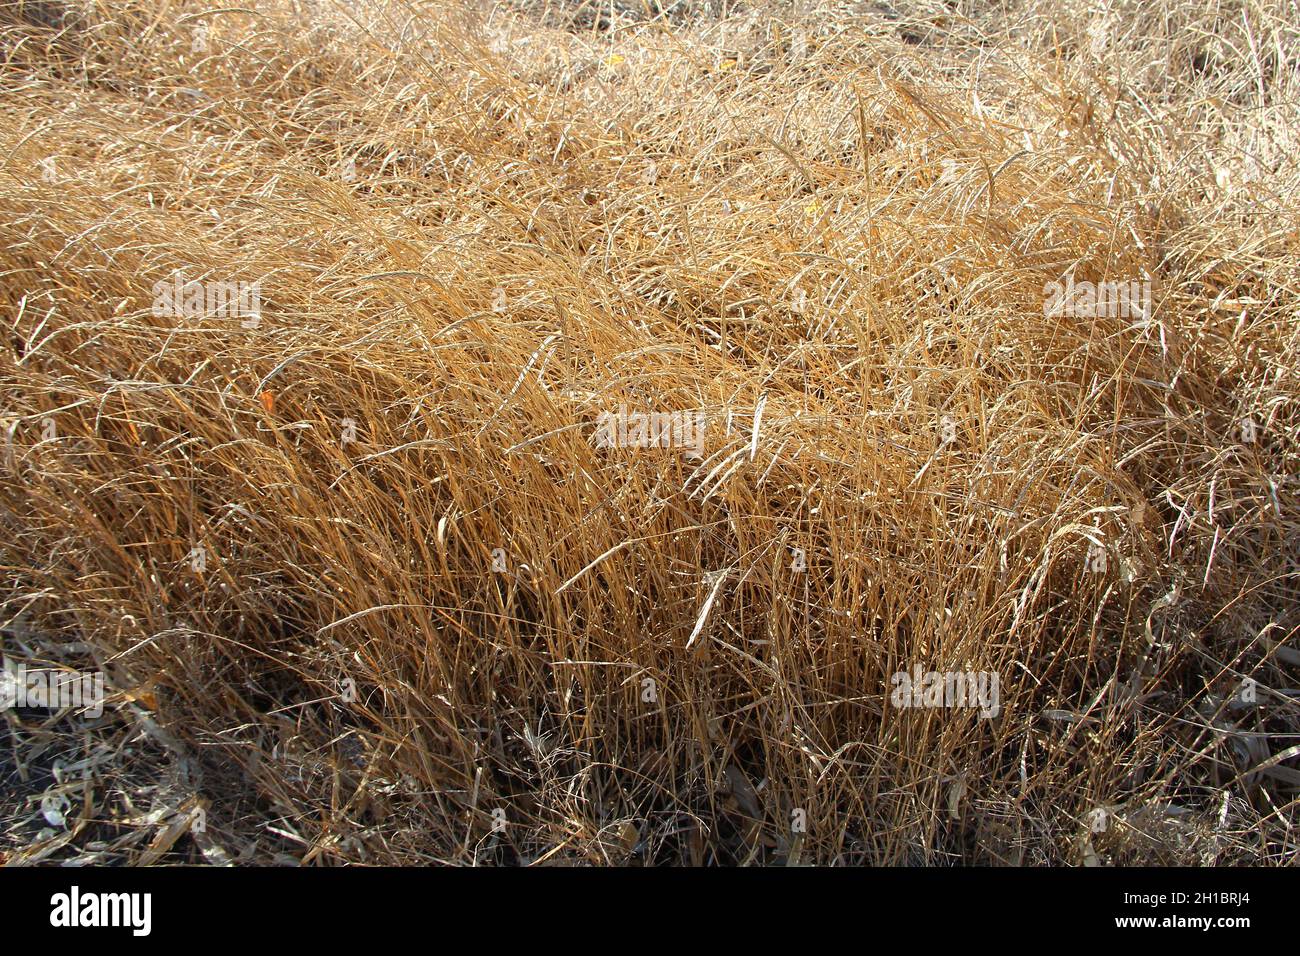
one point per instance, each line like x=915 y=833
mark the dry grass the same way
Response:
x=846 y=220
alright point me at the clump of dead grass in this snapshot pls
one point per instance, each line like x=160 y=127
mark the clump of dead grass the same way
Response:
x=832 y=235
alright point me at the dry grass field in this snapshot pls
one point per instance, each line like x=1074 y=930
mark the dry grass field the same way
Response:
x=975 y=327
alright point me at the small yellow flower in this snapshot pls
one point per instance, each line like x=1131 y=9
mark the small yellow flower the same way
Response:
x=614 y=59
x=727 y=64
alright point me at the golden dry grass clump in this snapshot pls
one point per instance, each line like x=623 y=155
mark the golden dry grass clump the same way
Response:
x=365 y=587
